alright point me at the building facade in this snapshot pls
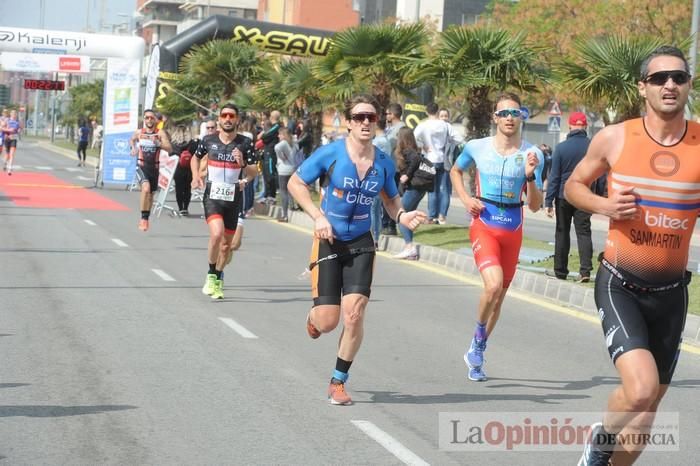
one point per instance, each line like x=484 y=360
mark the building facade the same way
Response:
x=331 y=15
x=161 y=20
x=444 y=13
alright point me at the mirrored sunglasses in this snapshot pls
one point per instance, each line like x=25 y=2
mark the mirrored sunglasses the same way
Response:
x=361 y=117
x=513 y=112
x=228 y=116
x=660 y=78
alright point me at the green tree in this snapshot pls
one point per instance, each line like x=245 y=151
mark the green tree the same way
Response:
x=604 y=73
x=229 y=63
x=374 y=58
x=476 y=62
x=558 y=26
x=86 y=101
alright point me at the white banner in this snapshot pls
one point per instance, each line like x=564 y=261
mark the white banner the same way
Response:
x=121 y=95
x=44 y=63
x=120 y=111
x=152 y=78
x=69 y=43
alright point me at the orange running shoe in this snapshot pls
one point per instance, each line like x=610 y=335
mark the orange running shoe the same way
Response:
x=337 y=394
x=143 y=224
x=310 y=329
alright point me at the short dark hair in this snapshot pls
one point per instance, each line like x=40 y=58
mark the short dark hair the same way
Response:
x=395 y=109
x=230 y=106
x=431 y=108
x=149 y=110
x=359 y=99
x=506 y=96
x=664 y=50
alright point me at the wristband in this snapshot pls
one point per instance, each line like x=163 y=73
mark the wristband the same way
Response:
x=530 y=178
x=398 y=216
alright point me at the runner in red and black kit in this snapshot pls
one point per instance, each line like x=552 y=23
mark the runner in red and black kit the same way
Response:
x=230 y=166
x=146 y=144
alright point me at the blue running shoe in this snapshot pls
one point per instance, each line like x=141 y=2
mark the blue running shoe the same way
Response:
x=592 y=454
x=474 y=357
x=477 y=374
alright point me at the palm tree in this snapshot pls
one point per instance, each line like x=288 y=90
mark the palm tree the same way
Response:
x=372 y=58
x=292 y=85
x=476 y=62
x=605 y=72
x=230 y=63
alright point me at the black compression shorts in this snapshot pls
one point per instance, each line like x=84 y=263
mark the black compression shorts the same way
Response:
x=227 y=211
x=147 y=174
x=634 y=319
x=345 y=274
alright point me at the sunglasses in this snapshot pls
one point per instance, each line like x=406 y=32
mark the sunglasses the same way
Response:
x=506 y=112
x=661 y=77
x=228 y=116
x=361 y=117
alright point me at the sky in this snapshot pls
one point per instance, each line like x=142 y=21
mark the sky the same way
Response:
x=65 y=15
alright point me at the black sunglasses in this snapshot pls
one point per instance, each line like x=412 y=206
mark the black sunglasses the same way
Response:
x=661 y=77
x=360 y=117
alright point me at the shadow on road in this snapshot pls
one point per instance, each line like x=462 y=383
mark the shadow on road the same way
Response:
x=399 y=398
x=58 y=411
x=13 y=385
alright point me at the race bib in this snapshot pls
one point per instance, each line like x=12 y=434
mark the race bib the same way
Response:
x=222 y=191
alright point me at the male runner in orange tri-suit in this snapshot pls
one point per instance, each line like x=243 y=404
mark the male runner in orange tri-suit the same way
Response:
x=641 y=287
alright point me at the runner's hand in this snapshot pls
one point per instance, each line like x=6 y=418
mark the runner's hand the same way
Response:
x=413 y=219
x=622 y=204
x=323 y=229
x=475 y=207
x=532 y=162
x=197 y=183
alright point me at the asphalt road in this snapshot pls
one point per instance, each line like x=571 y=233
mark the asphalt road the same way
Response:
x=111 y=354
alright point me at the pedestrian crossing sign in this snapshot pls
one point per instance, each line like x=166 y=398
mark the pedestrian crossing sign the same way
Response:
x=554 y=125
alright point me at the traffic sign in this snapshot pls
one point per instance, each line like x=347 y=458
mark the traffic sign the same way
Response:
x=525 y=113
x=30 y=123
x=554 y=125
x=554 y=110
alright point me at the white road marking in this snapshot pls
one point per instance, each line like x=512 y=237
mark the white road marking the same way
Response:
x=83 y=178
x=90 y=222
x=43 y=167
x=73 y=169
x=238 y=328
x=394 y=447
x=120 y=243
x=163 y=275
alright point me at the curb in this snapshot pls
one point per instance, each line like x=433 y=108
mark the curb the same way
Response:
x=564 y=293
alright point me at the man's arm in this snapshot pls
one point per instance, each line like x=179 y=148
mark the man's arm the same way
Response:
x=300 y=192
x=602 y=154
x=410 y=220
x=165 y=141
x=133 y=144
x=473 y=205
x=553 y=183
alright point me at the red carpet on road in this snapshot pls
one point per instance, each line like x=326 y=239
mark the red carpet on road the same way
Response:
x=44 y=191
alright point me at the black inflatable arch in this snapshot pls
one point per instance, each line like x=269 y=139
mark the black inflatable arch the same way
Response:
x=271 y=37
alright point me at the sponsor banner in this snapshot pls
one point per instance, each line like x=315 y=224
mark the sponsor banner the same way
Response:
x=120 y=117
x=70 y=43
x=152 y=77
x=549 y=431
x=168 y=165
x=119 y=165
x=44 y=63
x=121 y=98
